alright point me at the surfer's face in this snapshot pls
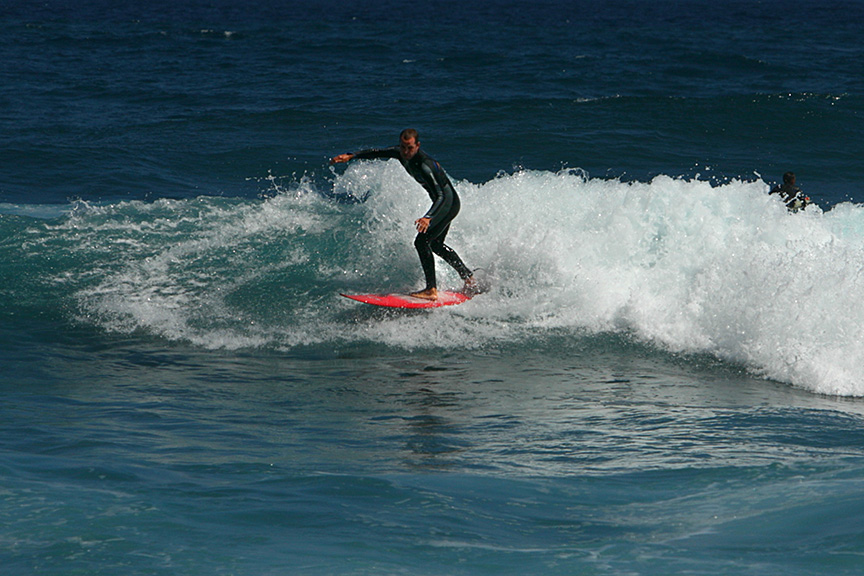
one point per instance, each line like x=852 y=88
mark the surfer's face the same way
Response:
x=408 y=147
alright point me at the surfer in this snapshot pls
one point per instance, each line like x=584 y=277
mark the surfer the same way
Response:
x=791 y=194
x=432 y=227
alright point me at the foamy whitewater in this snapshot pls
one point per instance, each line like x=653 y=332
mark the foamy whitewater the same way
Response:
x=682 y=264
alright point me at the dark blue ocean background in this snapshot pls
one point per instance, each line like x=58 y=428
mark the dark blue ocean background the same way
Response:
x=664 y=378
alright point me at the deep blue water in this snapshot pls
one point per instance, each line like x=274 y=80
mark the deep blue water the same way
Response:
x=665 y=377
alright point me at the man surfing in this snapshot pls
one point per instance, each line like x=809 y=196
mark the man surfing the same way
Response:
x=432 y=227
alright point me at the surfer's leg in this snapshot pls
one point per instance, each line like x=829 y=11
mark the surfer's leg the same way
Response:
x=432 y=242
x=427 y=260
x=448 y=254
x=452 y=258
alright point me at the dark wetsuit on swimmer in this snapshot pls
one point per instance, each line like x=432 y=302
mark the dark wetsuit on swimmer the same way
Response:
x=791 y=194
x=445 y=207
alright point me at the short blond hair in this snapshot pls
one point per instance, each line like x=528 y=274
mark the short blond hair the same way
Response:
x=409 y=133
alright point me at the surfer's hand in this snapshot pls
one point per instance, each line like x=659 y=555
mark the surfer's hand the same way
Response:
x=422 y=224
x=341 y=158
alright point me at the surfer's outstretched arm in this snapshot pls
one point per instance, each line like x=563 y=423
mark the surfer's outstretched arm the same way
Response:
x=372 y=154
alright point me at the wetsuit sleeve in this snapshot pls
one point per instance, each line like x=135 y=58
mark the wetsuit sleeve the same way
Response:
x=377 y=153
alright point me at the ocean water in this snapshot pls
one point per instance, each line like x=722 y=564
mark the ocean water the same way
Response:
x=666 y=376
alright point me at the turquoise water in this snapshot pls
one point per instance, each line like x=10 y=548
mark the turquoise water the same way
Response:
x=663 y=379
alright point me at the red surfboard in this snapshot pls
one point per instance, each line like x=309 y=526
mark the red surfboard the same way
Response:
x=407 y=301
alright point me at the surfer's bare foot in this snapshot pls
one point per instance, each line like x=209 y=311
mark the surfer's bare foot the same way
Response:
x=471 y=286
x=428 y=294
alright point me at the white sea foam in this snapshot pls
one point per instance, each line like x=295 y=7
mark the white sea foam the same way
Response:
x=693 y=268
x=680 y=264
x=690 y=267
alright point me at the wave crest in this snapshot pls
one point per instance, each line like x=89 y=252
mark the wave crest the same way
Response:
x=685 y=265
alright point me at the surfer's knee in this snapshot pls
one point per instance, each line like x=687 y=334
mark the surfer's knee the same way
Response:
x=421 y=242
x=438 y=247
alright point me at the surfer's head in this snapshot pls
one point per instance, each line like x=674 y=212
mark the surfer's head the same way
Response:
x=789 y=178
x=409 y=143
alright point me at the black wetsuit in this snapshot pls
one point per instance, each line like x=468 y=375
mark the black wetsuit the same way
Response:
x=445 y=207
x=792 y=196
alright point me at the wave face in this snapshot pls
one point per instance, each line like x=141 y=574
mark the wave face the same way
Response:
x=683 y=265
